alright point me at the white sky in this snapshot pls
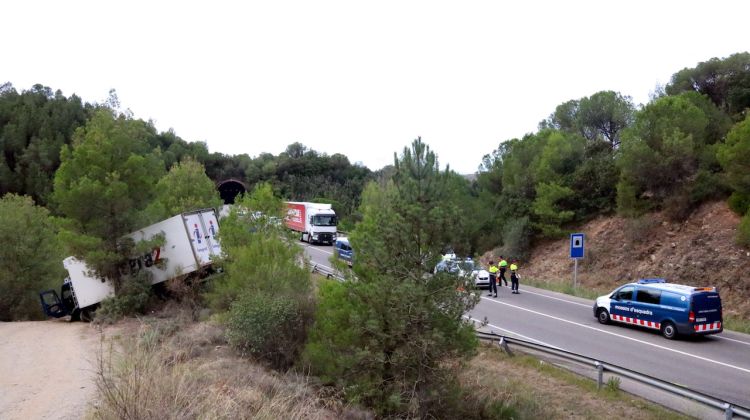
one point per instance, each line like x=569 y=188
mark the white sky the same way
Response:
x=359 y=78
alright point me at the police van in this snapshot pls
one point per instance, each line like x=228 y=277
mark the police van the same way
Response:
x=343 y=250
x=672 y=309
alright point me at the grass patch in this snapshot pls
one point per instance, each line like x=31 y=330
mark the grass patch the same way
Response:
x=172 y=368
x=737 y=324
x=538 y=389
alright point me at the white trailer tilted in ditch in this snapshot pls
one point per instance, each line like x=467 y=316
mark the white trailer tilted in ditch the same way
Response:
x=189 y=243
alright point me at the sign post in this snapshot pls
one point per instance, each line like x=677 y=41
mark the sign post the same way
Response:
x=576 y=252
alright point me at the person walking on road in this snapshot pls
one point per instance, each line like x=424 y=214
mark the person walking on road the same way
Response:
x=503 y=265
x=493 y=278
x=514 y=277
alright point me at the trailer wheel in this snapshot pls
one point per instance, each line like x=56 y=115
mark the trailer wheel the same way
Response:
x=87 y=315
x=75 y=315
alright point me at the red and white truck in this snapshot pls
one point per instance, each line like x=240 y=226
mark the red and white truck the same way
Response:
x=315 y=222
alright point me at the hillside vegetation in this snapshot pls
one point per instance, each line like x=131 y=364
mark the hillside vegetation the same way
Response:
x=647 y=182
x=699 y=251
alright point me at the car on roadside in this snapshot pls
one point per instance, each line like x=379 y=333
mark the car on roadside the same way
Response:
x=464 y=267
x=672 y=309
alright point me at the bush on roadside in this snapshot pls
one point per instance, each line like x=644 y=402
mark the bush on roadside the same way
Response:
x=271 y=328
x=743 y=231
x=637 y=230
x=30 y=257
x=132 y=298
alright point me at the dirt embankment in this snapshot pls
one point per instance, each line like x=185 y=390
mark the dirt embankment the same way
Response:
x=700 y=251
x=46 y=369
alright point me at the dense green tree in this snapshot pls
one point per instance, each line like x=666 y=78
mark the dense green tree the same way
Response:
x=30 y=259
x=186 y=187
x=34 y=125
x=266 y=294
x=104 y=183
x=385 y=337
x=725 y=81
x=662 y=154
x=734 y=156
x=602 y=116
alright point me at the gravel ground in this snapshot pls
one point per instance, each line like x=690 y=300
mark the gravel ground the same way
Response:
x=46 y=369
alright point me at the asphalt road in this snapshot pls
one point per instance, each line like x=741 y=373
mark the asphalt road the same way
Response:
x=716 y=365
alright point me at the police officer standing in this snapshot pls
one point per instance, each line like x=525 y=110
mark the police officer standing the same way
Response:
x=503 y=266
x=514 y=277
x=493 y=279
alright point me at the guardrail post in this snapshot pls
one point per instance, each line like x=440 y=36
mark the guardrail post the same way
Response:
x=504 y=345
x=728 y=412
x=600 y=374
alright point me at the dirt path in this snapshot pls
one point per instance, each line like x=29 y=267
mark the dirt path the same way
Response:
x=46 y=369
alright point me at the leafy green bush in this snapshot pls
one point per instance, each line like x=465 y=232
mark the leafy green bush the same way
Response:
x=132 y=298
x=739 y=202
x=638 y=230
x=272 y=328
x=30 y=258
x=743 y=231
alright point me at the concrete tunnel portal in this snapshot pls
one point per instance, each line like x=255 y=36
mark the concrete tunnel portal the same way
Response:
x=229 y=189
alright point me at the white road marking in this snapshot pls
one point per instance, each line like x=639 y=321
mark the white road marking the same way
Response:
x=515 y=333
x=557 y=298
x=318 y=249
x=732 y=339
x=705 y=359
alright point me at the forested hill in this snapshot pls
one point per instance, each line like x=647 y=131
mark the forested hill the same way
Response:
x=594 y=155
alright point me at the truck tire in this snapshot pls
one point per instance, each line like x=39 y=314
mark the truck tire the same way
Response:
x=75 y=315
x=87 y=315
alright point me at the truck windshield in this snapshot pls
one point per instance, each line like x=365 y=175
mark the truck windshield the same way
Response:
x=324 y=220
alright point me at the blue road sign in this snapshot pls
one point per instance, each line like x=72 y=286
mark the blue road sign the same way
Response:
x=576 y=245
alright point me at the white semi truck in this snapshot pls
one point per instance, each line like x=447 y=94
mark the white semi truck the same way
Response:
x=315 y=222
x=189 y=243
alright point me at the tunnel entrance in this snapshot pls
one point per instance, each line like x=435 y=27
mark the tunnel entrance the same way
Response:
x=229 y=189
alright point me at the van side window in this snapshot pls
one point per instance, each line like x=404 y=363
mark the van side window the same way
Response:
x=673 y=299
x=648 y=296
x=626 y=293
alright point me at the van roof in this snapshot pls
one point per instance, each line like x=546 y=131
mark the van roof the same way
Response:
x=343 y=240
x=677 y=288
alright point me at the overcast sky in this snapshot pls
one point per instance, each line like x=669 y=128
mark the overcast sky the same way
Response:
x=359 y=78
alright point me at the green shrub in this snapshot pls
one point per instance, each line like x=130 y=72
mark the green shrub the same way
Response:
x=272 y=328
x=743 y=231
x=739 y=202
x=30 y=258
x=132 y=298
x=638 y=230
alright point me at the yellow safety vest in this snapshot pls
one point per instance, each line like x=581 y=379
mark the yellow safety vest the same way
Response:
x=493 y=269
x=503 y=263
x=513 y=267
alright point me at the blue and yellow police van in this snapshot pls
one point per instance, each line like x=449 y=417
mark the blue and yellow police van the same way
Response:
x=343 y=250
x=672 y=309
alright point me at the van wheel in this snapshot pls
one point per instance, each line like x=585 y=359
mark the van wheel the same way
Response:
x=668 y=330
x=603 y=316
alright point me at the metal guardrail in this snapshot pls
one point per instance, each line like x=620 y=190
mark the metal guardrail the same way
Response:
x=316 y=268
x=729 y=409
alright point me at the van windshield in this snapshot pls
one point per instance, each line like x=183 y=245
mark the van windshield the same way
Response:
x=324 y=220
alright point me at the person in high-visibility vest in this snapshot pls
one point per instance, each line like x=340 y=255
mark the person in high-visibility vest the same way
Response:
x=493 y=278
x=503 y=265
x=514 y=277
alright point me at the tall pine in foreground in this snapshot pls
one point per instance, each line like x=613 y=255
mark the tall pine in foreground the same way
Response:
x=387 y=336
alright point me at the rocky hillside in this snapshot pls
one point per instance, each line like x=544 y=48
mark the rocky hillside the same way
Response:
x=699 y=251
